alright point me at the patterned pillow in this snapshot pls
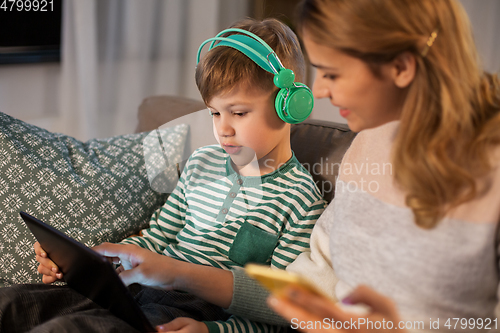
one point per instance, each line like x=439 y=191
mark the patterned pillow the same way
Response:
x=94 y=191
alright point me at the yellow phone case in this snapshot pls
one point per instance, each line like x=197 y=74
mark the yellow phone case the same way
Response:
x=276 y=280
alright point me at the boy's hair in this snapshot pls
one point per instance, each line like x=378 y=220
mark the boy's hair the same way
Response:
x=222 y=68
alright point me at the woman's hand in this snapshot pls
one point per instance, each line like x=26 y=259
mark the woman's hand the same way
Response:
x=301 y=307
x=139 y=265
x=183 y=325
x=49 y=270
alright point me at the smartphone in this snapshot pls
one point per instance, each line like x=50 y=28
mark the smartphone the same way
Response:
x=276 y=280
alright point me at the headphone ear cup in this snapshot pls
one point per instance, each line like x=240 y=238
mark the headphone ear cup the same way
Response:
x=293 y=105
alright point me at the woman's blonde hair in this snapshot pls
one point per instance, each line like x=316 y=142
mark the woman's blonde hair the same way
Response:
x=222 y=68
x=450 y=119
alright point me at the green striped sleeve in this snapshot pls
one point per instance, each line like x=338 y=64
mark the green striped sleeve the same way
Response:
x=296 y=234
x=305 y=207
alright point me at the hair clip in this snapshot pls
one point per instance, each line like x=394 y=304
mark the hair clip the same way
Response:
x=429 y=43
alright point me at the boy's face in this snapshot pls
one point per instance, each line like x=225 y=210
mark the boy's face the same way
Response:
x=246 y=125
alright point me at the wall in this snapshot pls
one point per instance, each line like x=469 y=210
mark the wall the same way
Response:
x=31 y=92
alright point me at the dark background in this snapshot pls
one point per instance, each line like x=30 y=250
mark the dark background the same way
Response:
x=30 y=36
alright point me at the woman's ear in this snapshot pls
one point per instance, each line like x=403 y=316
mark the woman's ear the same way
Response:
x=404 y=67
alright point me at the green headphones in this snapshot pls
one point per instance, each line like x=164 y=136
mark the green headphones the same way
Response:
x=294 y=101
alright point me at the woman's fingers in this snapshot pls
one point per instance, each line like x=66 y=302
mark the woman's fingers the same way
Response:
x=294 y=313
x=319 y=305
x=286 y=308
x=301 y=306
x=365 y=295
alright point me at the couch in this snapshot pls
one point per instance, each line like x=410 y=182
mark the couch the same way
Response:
x=100 y=190
x=318 y=145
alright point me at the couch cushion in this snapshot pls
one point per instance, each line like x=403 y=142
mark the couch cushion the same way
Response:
x=320 y=146
x=95 y=191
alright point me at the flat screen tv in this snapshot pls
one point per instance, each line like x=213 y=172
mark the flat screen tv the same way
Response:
x=30 y=31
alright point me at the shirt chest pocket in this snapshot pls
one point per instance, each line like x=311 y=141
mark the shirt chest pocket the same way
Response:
x=252 y=244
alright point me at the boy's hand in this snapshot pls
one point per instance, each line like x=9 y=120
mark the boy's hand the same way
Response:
x=139 y=265
x=184 y=325
x=47 y=267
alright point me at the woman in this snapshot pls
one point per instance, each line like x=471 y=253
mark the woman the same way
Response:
x=406 y=75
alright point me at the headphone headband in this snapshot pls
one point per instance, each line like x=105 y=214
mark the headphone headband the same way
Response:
x=248 y=33
x=240 y=43
x=249 y=44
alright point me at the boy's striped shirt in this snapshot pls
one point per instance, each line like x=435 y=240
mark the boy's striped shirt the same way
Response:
x=217 y=217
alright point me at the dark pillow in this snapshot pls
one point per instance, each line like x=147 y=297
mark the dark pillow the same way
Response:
x=95 y=191
x=320 y=147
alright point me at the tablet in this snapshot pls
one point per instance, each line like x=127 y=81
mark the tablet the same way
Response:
x=88 y=273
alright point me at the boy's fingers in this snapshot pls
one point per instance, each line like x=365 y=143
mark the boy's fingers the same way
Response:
x=39 y=251
x=47 y=263
x=128 y=276
x=119 y=253
x=111 y=250
x=49 y=272
x=45 y=271
x=47 y=275
x=173 y=325
x=49 y=279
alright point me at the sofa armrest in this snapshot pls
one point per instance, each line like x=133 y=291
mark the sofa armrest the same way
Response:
x=155 y=111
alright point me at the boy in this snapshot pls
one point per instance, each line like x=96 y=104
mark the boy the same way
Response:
x=245 y=200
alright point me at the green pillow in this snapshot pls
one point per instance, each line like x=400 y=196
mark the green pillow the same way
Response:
x=95 y=191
